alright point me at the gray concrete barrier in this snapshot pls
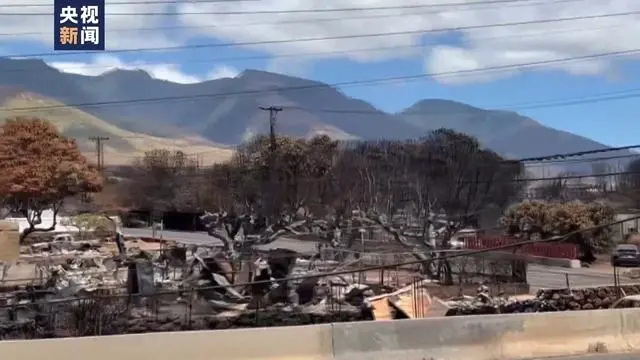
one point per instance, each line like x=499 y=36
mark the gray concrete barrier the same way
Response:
x=438 y=338
x=282 y=343
x=490 y=337
x=557 y=262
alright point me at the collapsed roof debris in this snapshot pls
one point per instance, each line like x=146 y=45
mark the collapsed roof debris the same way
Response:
x=248 y=275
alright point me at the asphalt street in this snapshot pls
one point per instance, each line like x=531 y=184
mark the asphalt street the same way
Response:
x=202 y=238
x=538 y=276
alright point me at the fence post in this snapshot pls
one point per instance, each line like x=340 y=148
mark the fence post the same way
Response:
x=190 y=293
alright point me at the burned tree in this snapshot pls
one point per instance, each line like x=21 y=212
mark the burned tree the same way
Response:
x=163 y=180
x=430 y=188
x=302 y=170
x=629 y=183
x=466 y=178
x=419 y=193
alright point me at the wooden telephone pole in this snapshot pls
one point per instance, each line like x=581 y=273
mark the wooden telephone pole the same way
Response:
x=273 y=113
x=99 y=140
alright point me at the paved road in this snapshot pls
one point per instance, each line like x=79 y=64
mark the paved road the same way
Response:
x=538 y=276
x=202 y=238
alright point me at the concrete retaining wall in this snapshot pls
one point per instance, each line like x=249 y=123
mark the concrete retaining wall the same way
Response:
x=557 y=262
x=508 y=337
x=284 y=343
x=516 y=336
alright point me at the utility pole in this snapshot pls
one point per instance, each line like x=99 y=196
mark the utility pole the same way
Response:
x=273 y=113
x=99 y=149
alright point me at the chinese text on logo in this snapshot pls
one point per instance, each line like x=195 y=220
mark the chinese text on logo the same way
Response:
x=78 y=25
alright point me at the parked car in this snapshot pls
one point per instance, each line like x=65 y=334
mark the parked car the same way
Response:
x=135 y=223
x=626 y=255
x=63 y=237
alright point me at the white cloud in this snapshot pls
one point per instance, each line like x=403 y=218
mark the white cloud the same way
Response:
x=169 y=72
x=221 y=72
x=480 y=48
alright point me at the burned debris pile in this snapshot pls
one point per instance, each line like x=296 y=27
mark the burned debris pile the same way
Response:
x=99 y=289
x=245 y=275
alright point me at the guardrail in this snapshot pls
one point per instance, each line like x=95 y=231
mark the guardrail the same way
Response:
x=485 y=337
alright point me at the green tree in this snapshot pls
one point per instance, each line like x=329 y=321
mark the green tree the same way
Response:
x=545 y=219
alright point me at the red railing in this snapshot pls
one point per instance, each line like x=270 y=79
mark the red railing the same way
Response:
x=551 y=250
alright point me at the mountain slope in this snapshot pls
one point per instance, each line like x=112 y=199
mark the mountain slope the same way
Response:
x=227 y=111
x=203 y=108
x=122 y=147
x=505 y=132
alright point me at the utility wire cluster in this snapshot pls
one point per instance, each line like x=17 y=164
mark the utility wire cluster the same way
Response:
x=366 y=82
x=339 y=37
x=344 y=13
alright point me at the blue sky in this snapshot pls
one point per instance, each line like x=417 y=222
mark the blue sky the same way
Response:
x=610 y=122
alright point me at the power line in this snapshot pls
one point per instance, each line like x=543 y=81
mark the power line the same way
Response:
x=296 y=11
x=540 y=160
x=339 y=37
x=529 y=164
x=350 y=51
x=557 y=178
x=543 y=163
x=549 y=103
x=338 y=84
x=144 y=2
x=306 y=20
x=476 y=181
x=543 y=160
x=590 y=98
x=579 y=153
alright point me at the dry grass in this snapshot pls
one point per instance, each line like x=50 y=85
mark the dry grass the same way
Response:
x=123 y=146
x=208 y=155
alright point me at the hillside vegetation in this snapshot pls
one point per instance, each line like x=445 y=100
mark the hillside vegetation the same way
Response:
x=122 y=147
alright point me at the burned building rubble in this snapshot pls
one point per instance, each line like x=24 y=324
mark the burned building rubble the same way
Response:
x=243 y=278
x=92 y=288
